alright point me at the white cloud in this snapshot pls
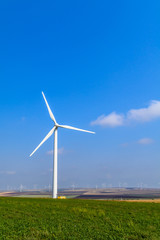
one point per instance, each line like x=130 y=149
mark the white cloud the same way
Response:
x=50 y=152
x=60 y=151
x=125 y=144
x=23 y=118
x=8 y=172
x=142 y=141
x=111 y=120
x=140 y=115
x=145 y=141
x=108 y=176
x=145 y=114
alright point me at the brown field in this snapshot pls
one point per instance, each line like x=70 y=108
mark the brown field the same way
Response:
x=120 y=194
x=4 y=194
x=143 y=200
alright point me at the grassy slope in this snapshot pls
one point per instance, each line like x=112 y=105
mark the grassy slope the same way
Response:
x=22 y=218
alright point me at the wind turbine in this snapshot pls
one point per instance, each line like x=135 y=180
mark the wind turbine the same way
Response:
x=55 y=131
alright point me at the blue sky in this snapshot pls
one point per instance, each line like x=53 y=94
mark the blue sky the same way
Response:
x=98 y=63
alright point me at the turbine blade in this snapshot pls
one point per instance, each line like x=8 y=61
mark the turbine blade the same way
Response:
x=73 y=128
x=48 y=135
x=49 y=110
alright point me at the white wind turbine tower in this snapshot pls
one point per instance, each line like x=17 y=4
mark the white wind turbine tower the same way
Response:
x=55 y=131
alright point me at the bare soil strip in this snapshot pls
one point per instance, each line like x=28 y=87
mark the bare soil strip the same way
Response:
x=141 y=200
x=3 y=194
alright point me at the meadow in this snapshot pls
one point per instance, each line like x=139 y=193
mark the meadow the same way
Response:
x=33 y=218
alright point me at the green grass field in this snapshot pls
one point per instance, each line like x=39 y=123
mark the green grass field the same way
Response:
x=24 y=218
